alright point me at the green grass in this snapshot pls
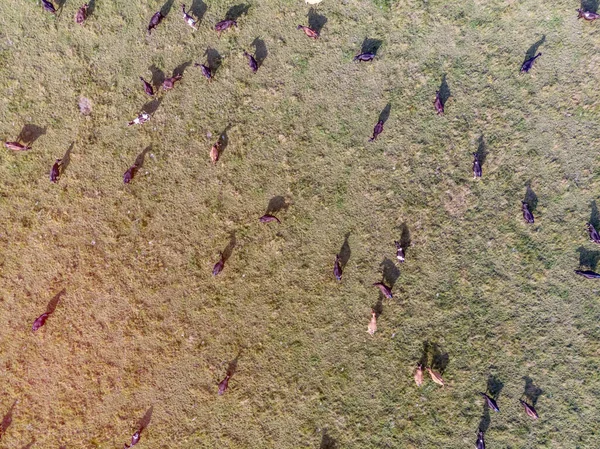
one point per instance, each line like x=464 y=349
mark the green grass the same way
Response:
x=144 y=323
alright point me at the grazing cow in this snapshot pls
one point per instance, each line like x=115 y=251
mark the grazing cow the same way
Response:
x=437 y=103
x=337 y=268
x=219 y=266
x=527 y=65
x=147 y=87
x=490 y=402
x=419 y=375
x=476 y=166
x=206 y=72
x=527 y=215
x=16 y=146
x=377 y=130
x=399 y=252
x=587 y=15
x=134 y=440
x=48 y=6
x=225 y=24
x=251 y=62
x=81 y=14
x=435 y=376
x=143 y=117
x=364 y=57
x=588 y=274
x=40 y=321
x=55 y=171
x=480 y=440
x=155 y=21
x=268 y=219
x=189 y=19
x=594 y=236
x=387 y=292
x=372 y=328
x=169 y=83
x=529 y=409
x=309 y=31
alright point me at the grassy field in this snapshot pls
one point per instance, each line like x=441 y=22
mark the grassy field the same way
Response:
x=142 y=331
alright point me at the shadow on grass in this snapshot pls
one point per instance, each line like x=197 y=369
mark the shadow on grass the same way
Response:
x=425 y=354
x=54 y=302
x=531 y=391
x=444 y=90
x=316 y=21
x=327 y=442
x=237 y=11
x=158 y=76
x=224 y=140
x=152 y=106
x=391 y=273
x=139 y=160
x=494 y=386
x=226 y=254
x=213 y=59
x=588 y=258
x=345 y=251
x=594 y=215
x=481 y=150
x=166 y=8
x=589 y=5
x=533 y=50
x=7 y=419
x=198 y=9
x=370 y=46
x=66 y=159
x=261 y=52
x=276 y=204
x=378 y=307
x=484 y=422
x=145 y=420
x=30 y=133
x=439 y=358
x=530 y=197
x=385 y=113
x=91 y=7
x=180 y=69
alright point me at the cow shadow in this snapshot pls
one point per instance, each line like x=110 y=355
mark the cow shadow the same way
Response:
x=390 y=271
x=494 y=386
x=276 y=204
x=588 y=258
x=237 y=11
x=261 y=52
x=481 y=150
x=385 y=113
x=589 y=5
x=145 y=420
x=7 y=419
x=444 y=91
x=316 y=21
x=54 y=301
x=530 y=197
x=158 y=76
x=484 y=422
x=66 y=159
x=226 y=254
x=223 y=140
x=152 y=106
x=91 y=7
x=166 y=8
x=531 y=391
x=439 y=358
x=378 y=307
x=214 y=59
x=327 y=442
x=198 y=9
x=370 y=46
x=180 y=69
x=345 y=251
x=30 y=133
x=533 y=50
x=139 y=160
